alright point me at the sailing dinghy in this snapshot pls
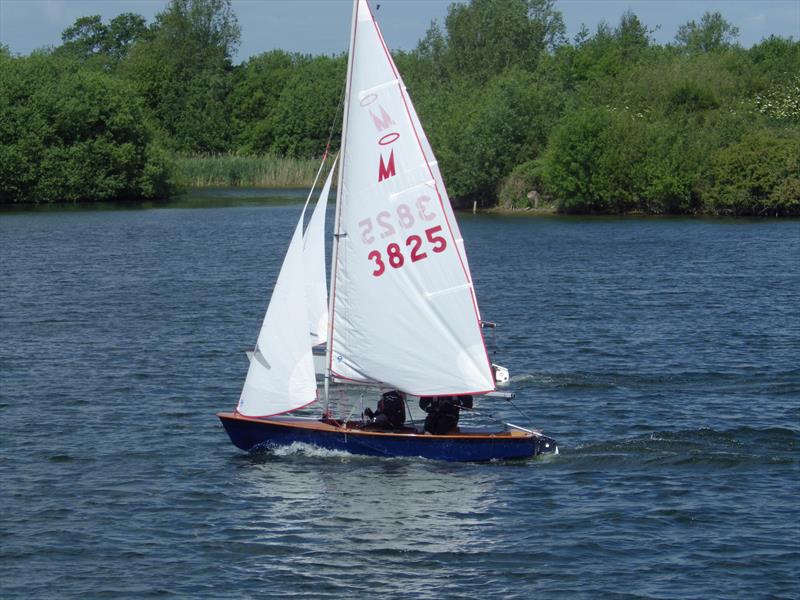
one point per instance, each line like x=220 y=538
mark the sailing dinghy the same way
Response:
x=402 y=312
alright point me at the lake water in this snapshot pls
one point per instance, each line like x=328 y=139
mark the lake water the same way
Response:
x=662 y=354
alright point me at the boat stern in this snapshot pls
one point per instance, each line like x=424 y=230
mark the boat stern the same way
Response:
x=545 y=445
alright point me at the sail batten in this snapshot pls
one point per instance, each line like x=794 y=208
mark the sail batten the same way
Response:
x=403 y=312
x=451 y=290
x=363 y=94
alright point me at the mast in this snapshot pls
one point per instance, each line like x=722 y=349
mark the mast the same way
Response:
x=337 y=218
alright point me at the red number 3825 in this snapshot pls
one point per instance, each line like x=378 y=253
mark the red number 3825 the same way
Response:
x=395 y=257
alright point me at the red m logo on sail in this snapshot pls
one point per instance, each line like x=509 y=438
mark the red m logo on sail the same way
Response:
x=383 y=121
x=386 y=170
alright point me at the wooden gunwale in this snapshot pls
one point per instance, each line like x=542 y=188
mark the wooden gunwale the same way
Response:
x=309 y=424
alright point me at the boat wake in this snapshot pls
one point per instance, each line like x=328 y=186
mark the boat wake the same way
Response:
x=525 y=378
x=562 y=381
x=694 y=380
x=740 y=446
x=307 y=450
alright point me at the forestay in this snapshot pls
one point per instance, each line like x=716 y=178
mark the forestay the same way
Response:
x=404 y=311
x=314 y=257
x=281 y=374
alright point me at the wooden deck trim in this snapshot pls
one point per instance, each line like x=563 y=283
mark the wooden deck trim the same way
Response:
x=299 y=423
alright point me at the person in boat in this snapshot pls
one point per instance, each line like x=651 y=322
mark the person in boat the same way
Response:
x=443 y=412
x=391 y=412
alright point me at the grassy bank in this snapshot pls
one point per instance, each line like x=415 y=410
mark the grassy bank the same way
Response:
x=234 y=170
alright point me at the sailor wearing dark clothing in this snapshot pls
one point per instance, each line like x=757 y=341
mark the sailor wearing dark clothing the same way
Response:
x=391 y=413
x=443 y=412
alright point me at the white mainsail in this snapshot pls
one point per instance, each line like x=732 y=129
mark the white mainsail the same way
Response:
x=281 y=373
x=404 y=311
x=314 y=257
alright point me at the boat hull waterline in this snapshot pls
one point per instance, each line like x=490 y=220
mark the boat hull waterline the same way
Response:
x=467 y=445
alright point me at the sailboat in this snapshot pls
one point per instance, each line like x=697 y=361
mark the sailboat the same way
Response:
x=402 y=312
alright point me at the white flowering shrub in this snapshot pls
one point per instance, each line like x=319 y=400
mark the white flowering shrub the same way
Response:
x=781 y=103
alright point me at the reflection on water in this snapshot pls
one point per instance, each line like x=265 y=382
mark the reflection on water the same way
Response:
x=389 y=506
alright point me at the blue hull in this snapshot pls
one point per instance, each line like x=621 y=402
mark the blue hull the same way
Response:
x=259 y=435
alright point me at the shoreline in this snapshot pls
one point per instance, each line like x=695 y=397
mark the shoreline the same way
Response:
x=552 y=211
x=543 y=211
x=222 y=196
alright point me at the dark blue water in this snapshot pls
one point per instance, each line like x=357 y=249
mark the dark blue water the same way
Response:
x=662 y=354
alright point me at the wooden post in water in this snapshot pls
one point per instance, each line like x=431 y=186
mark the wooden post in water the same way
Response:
x=474 y=206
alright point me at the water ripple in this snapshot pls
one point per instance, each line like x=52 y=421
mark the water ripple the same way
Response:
x=662 y=354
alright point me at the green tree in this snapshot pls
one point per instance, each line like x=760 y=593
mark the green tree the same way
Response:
x=776 y=57
x=86 y=37
x=89 y=39
x=256 y=96
x=631 y=35
x=485 y=37
x=309 y=104
x=713 y=33
x=601 y=57
x=123 y=32
x=183 y=72
x=72 y=134
x=490 y=131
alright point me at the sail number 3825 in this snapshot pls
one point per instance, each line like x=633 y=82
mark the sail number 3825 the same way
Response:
x=414 y=249
x=404 y=218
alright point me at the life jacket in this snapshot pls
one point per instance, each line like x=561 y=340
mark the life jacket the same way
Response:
x=391 y=411
x=443 y=412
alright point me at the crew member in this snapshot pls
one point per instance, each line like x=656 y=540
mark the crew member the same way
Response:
x=391 y=413
x=443 y=412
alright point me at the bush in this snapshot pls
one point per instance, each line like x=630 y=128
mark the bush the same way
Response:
x=760 y=175
x=571 y=165
x=524 y=179
x=69 y=134
x=691 y=97
x=608 y=160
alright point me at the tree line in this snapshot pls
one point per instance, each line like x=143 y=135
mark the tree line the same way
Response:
x=607 y=122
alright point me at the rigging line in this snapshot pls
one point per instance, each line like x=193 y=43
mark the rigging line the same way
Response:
x=519 y=410
x=410 y=416
x=336 y=118
x=328 y=142
x=495 y=418
x=347 y=418
x=484 y=414
x=337 y=422
x=314 y=185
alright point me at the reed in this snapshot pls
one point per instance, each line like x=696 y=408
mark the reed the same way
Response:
x=236 y=170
